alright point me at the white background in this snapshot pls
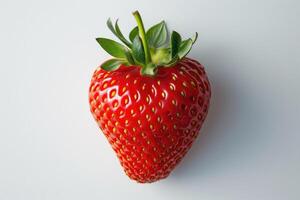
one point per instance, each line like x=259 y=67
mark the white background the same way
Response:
x=50 y=147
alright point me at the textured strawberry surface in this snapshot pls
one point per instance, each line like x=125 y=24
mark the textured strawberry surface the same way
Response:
x=150 y=122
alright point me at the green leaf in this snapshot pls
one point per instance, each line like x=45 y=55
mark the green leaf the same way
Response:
x=110 y=26
x=121 y=36
x=157 y=35
x=113 y=48
x=185 y=48
x=111 y=64
x=173 y=61
x=195 y=37
x=117 y=32
x=138 y=50
x=133 y=33
x=160 y=56
x=129 y=57
x=175 y=43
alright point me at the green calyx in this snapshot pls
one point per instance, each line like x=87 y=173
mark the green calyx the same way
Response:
x=148 y=49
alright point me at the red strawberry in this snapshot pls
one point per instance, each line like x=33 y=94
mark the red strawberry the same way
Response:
x=150 y=113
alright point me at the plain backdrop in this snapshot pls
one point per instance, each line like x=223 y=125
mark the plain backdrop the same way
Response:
x=51 y=148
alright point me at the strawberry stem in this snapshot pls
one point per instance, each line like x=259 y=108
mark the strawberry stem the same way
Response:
x=142 y=35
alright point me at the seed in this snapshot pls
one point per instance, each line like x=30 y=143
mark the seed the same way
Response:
x=193 y=83
x=172 y=87
x=104 y=85
x=174 y=102
x=158 y=119
x=126 y=101
x=116 y=104
x=160 y=104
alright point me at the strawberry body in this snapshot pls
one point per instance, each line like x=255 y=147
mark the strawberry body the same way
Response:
x=150 y=122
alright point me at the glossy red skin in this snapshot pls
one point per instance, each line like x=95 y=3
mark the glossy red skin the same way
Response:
x=150 y=122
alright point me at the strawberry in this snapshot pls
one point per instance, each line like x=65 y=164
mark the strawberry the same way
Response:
x=150 y=101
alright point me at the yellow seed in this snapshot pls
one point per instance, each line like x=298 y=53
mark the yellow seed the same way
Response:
x=172 y=87
x=112 y=82
x=174 y=126
x=148 y=142
x=158 y=82
x=107 y=109
x=164 y=127
x=182 y=93
x=126 y=101
x=126 y=122
x=181 y=72
x=160 y=104
x=154 y=159
x=151 y=126
x=143 y=134
x=134 y=138
x=158 y=119
x=163 y=94
x=114 y=129
x=154 y=149
x=125 y=130
x=133 y=129
x=121 y=112
x=193 y=83
x=127 y=76
x=135 y=81
x=135 y=96
x=141 y=108
x=184 y=84
x=177 y=114
x=174 y=78
x=147 y=116
x=131 y=111
x=124 y=89
x=117 y=123
x=174 y=102
x=106 y=75
x=116 y=104
x=147 y=99
x=139 y=121
x=153 y=109
x=104 y=85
